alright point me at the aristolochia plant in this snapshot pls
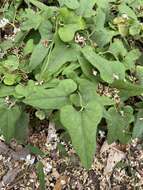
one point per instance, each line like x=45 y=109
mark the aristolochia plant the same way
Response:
x=78 y=62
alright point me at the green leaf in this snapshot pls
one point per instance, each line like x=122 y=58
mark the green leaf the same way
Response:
x=100 y=19
x=82 y=127
x=67 y=32
x=32 y=20
x=125 y=9
x=87 y=90
x=21 y=130
x=135 y=28
x=53 y=98
x=67 y=16
x=103 y=4
x=138 y=126
x=32 y=87
x=11 y=63
x=57 y=59
x=42 y=6
x=117 y=49
x=7 y=44
x=139 y=74
x=24 y=91
x=109 y=70
x=29 y=47
x=128 y=89
x=10 y=79
x=45 y=29
x=131 y=58
x=35 y=150
x=86 y=67
x=134 y=4
x=86 y=8
x=81 y=57
x=118 y=124
x=71 y=4
x=41 y=175
x=70 y=69
x=72 y=23
x=20 y=36
x=8 y=119
x=38 y=55
x=103 y=36
x=10 y=12
x=6 y=90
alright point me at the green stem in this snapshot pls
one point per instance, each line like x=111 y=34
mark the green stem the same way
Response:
x=81 y=102
x=50 y=49
x=41 y=5
x=48 y=59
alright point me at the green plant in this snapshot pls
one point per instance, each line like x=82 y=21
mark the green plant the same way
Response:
x=81 y=62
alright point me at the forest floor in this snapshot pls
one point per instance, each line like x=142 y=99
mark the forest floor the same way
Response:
x=115 y=166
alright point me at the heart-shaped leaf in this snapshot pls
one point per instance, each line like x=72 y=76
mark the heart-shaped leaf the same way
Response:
x=82 y=127
x=109 y=70
x=53 y=98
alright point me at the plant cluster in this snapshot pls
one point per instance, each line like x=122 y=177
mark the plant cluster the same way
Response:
x=78 y=63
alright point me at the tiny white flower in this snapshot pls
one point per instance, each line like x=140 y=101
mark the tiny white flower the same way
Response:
x=122 y=113
x=39 y=83
x=125 y=16
x=16 y=30
x=1 y=137
x=3 y=22
x=47 y=168
x=115 y=76
x=102 y=134
x=30 y=159
x=94 y=72
x=80 y=39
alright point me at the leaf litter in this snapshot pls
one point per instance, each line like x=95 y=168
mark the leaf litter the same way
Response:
x=114 y=166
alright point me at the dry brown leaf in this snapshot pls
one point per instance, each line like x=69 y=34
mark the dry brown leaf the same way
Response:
x=16 y=155
x=3 y=148
x=61 y=182
x=9 y=177
x=114 y=157
x=106 y=147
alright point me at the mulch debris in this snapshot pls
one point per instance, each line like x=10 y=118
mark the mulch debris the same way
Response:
x=115 y=166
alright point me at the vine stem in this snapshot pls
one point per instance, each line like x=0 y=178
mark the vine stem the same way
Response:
x=47 y=63
x=81 y=102
x=50 y=49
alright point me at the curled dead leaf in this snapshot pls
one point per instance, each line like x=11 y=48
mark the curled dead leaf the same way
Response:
x=62 y=180
x=115 y=155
